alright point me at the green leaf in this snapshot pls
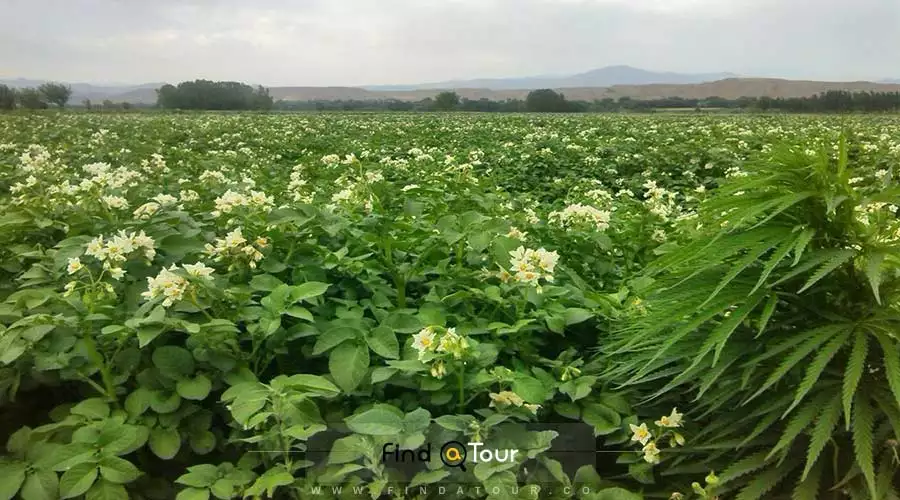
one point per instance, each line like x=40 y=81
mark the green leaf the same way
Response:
x=853 y=372
x=575 y=315
x=118 y=470
x=808 y=489
x=335 y=336
x=839 y=258
x=815 y=369
x=348 y=364
x=93 y=408
x=766 y=314
x=199 y=476
x=383 y=341
x=428 y=477
x=308 y=290
x=891 y=363
x=378 y=421
x=530 y=389
x=173 y=361
x=863 y=421
x=642 y=472
x=812 y=343
x=873 y=273
x=247 y=399
x=105 y=490
x=347 y=449
x=41 y=484
x=165 y=442
x=195 y=389
x=77 y=480
x=604 y=419
x=299 y=312
x=264 y=283
x=614 y=494
x=193 y=494
x=271 y=480
x=12 y=475
x=821 y=433
x=312 y=383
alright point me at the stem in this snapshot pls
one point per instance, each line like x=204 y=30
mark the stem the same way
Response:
x=97 y=358
x=197 y=304
x=400 y=282
x=459 y=382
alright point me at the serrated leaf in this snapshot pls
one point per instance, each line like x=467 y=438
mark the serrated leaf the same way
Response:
x=839 y=258
x=821 y=433
x=815 y=369
x=873 y=274
x=891 y=363
x=853 y=372
x=863 y=421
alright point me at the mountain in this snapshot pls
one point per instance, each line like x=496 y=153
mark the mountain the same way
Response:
x=602 y=77
x=890 y=80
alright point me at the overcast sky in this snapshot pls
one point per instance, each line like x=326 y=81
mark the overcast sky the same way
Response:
x=365 y=42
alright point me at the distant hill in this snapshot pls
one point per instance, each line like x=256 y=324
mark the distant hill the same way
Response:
x=602 y=77
x=598 y=84
x=730 y=88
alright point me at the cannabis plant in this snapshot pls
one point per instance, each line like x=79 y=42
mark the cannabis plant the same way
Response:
x=776 y=326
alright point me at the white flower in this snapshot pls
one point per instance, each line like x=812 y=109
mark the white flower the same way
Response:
x=116 y=272
x=74 y=266
x=115 y=202
x=424 y=341
x=198 y=270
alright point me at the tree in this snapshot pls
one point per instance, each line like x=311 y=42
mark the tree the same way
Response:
x=446 y=101
x=545 y=101
x=7 y=97
x=56 y=93
x=87 y=104
x=31 y=99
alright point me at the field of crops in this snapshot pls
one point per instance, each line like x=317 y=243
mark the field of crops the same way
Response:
x=192 y=303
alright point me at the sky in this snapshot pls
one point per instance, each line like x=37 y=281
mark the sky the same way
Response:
x=374 y=42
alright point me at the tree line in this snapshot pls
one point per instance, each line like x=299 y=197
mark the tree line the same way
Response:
x=209 y=95
x=35 y=98
x=546 y=100
x=206 y=94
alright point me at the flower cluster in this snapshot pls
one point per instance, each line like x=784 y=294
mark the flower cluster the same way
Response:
x=430 y=344
x=235 y=246
x=530 y=266
x=171 y=285
x=505 y=399
x=578 y=215
x=230 y=200
x=643 y=435
x=114 y=251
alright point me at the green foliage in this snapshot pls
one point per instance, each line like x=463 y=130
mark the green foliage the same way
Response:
x=247 y=305
x=798 y=361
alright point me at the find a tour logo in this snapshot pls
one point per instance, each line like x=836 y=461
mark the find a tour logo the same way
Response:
x=452 y=454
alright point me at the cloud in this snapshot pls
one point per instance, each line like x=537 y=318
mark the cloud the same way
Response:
x=356 y=42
